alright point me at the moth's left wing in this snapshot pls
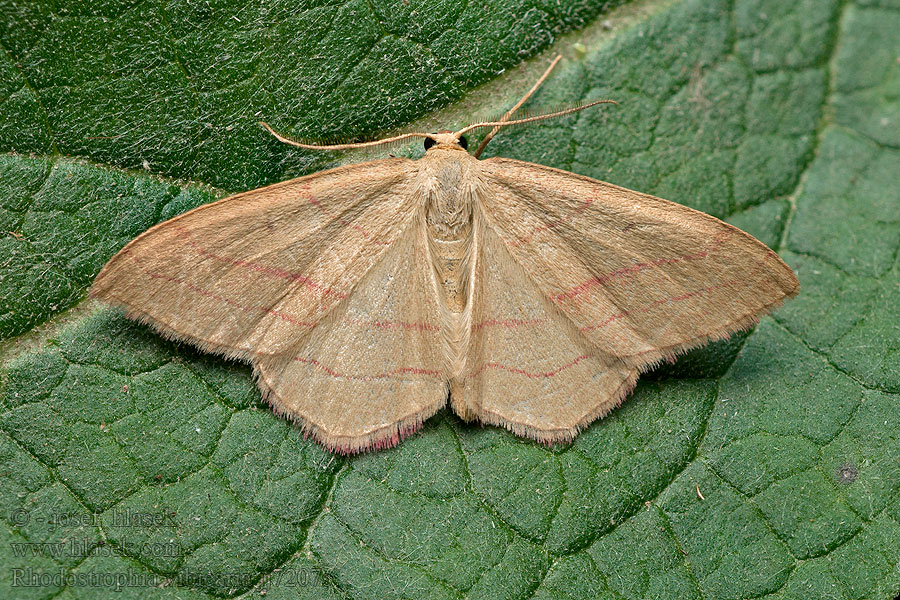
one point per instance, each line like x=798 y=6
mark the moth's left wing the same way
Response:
x=256 y=272
x=641 y=278
x=372 y=371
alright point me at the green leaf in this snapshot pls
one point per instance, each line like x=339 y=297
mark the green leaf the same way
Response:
x=768 y=465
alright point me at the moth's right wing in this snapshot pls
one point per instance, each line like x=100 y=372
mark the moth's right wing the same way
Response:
x=641 y=278
x=527 y=368
x=254 y=273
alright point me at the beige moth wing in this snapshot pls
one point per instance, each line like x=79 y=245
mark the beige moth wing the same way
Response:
x=254 y=275
x=527 y=367
x=632 y=279
x=296 y=248
x=372 y=371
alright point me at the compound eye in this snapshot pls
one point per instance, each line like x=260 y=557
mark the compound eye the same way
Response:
x=463 y=142
x=429 y=142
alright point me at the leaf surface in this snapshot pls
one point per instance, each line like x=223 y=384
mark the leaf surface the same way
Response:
x=765 y=466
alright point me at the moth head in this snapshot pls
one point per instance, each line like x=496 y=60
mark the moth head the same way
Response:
x=445 y=140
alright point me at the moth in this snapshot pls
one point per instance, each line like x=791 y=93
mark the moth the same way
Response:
x=364 y=296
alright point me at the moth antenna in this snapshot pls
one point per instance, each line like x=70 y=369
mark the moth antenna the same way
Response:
x=389 y=140
x=559 y=113
x=518 y=105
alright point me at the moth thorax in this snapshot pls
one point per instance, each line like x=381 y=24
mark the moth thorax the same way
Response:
x=448 y=202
